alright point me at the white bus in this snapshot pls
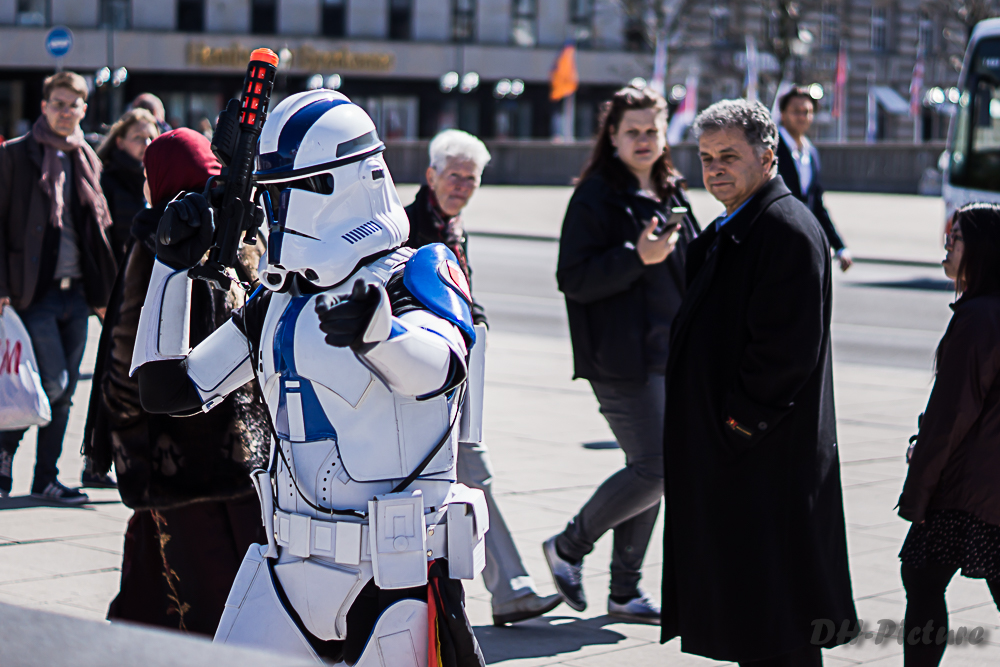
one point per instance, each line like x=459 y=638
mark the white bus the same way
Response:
x=972 y=158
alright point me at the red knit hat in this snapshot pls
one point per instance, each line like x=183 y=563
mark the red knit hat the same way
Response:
x=180 y=160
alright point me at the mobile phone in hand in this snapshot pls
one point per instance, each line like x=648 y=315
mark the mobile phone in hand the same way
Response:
x=677 y=214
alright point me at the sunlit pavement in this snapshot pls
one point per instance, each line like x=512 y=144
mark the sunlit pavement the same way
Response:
x=550 y=446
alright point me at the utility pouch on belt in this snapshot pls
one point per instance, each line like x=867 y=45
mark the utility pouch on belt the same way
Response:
x=396 y=535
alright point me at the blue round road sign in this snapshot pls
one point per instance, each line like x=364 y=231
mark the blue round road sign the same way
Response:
x=59 y=41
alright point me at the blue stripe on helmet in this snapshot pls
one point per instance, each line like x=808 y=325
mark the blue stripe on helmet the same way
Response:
x=291 y=136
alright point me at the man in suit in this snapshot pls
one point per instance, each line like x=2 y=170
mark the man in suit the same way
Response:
x=755 y=542
x=798 y=164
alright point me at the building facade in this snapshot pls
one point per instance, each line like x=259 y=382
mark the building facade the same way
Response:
x=392 y=56
x=419 y=66
x=882 y=39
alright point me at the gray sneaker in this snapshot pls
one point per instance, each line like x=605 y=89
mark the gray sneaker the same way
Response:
x=6 y=476
x=568 y=577
x=637 y=610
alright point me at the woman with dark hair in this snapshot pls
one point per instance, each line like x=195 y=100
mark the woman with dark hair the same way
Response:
x=952 y=489
x=621 y=269
x=123 y=177
x=187 y=479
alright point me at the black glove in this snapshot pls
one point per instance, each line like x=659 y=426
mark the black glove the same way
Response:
x=344 y=320
x=185 y=231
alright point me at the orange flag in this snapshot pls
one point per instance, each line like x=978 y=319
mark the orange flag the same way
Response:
x=565 y=78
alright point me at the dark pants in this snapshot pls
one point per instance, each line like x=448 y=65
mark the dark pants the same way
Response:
x=57 y=325
x=809 y=656
x=925 y=604
x=628 y=501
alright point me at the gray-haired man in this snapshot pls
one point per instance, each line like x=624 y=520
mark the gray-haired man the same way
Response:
x=457 y=162
x=755 y=554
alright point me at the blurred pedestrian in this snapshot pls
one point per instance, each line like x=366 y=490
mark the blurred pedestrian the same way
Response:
x=457 y=160
x=153 y=105
x=755 y=543
x=187 y=480
x=56 y=264
x=623 y=282
x=798 y=164
x=951 y=492
x=124 y=176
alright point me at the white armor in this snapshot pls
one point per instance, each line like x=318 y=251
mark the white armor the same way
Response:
x=351 y=424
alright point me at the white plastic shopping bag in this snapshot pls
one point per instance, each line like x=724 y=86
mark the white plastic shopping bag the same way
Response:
x=23 y=402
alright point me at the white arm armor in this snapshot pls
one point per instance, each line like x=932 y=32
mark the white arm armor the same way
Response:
x=220 y=363
x=415 y=351
x=165 y=317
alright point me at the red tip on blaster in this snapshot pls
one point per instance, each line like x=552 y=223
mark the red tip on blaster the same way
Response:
x=265 y=55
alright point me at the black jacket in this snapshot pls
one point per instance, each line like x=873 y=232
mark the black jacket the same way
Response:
x=755 y=545
x=602 y=278
x=427 y=226
x=956 y=463
x=812 y=198
x=165 y=462
x=122 y=182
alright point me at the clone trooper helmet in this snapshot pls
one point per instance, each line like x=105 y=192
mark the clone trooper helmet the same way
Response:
x=328 y=194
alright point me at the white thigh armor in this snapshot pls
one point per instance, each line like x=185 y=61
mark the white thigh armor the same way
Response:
x=351 y=426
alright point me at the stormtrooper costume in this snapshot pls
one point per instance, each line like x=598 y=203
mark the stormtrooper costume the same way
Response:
x=360 y=495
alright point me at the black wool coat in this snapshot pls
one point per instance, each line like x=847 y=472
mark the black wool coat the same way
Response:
x=601 y=276
x=755 y=539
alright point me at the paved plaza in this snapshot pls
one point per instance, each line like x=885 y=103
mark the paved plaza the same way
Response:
x=550 y=448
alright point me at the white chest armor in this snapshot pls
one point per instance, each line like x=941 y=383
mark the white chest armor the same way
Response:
x=347 y=435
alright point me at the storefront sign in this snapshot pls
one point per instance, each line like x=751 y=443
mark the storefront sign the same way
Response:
x=304 y=57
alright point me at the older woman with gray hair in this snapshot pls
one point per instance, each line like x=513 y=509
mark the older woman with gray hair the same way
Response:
x=457 y=160
x=755 y=547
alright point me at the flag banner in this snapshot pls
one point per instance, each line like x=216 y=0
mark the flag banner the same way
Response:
x=840 y=84
x=659 y=80
x=565 y=78
x=917 y=85
x=685 y=113
x=752 y=68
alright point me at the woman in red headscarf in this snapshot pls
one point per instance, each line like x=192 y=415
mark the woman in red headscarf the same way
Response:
x=187 y=479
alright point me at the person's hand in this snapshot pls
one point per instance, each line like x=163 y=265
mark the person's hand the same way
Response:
x=185 y=231
x=345 y=319
x=655 y=249
x=4 y=301
x=845 y=259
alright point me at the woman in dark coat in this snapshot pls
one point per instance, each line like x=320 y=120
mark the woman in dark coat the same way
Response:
x=952 y=489
x=623 y=282
x=124 y=176
x=187 y=479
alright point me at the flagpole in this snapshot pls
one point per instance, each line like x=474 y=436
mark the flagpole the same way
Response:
x=569 y=117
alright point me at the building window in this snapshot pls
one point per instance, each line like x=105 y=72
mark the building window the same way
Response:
x=191 y=15
x=334 y=18
x=925 y=34
x=581 y=15
x=32 y=12
x=525 y=22
x=264 y=17
x=116 y=14
x=720 y=24
x=878 y=28
x=830 y=26
x=635 y=34
x=400 y=15
x=463 y=20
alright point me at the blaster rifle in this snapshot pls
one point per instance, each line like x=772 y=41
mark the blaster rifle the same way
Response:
x=234 y=143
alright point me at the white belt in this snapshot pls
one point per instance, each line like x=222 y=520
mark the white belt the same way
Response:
x=346 y=542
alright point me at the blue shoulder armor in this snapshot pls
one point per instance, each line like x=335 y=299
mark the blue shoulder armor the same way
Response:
x=435 y=279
